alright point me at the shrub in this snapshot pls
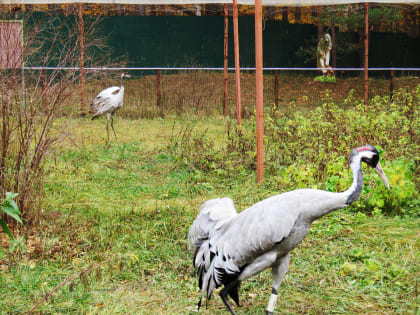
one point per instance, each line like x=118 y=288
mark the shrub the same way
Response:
x=10 y=208
x=402 y=199
x=311 y=149
x=27 y=115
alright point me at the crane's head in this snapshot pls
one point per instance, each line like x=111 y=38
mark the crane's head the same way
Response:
x=370 y=155
x=125 y=75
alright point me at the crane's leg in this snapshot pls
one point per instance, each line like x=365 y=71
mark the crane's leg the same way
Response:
x=279 y=270
x=107 y=127
x=112 y=126
x=233 y=285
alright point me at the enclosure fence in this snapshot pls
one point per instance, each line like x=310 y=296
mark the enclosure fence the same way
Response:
x=161 y=91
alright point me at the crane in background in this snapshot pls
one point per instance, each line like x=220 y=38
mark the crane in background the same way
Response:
x=108 y=102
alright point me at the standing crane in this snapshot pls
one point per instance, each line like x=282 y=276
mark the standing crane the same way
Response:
x=107 y=102
x=231 y=247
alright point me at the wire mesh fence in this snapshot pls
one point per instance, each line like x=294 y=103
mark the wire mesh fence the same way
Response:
x=200 y=91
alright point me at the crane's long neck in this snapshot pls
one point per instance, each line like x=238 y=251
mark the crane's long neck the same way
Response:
x=353 y=193
x=122 y=83
x=335 y=201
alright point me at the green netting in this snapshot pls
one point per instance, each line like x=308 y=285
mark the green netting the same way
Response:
x=198 y=41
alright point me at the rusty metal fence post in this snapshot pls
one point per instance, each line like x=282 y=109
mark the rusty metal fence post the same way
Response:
x=225 y=62
x=259 y=90
x=276 y=88
x=391 y=85
x=237 y=67
x=158 y=94
x=82 y=62
x=366 y=55
x=43 y=86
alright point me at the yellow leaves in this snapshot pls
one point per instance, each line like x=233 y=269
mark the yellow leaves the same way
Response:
x=132 y=259
x=348 y=268
x=43 y=285
x=77 y=261
x=32 y=264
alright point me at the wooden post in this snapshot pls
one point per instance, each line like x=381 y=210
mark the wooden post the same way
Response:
x=259 y=90
x=237 y=67
x=366 y=77
x=334 y=48
x=158 y=95
x=43 y=86
x=225 y=62
x=391 y=86
x=276 y=88
x=82 y=62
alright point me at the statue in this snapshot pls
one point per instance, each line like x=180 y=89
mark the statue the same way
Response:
x=323 y=54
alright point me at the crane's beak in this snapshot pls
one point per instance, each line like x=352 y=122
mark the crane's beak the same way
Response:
x=382 y=175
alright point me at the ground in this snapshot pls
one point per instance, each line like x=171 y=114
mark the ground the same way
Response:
x=128 y=209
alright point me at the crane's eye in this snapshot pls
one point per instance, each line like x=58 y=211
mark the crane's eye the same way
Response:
x=372 y=161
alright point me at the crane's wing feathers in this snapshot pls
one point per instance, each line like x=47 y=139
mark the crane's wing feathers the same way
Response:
x=103 y=101
x=226 y=252
x=213 y=215
x=255 y=231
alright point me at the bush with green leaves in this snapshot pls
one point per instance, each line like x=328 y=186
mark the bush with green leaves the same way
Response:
x=311 y=149
x=10 y=208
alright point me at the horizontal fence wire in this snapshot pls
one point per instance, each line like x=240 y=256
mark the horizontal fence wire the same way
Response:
x=200 y=90
x=215 y=69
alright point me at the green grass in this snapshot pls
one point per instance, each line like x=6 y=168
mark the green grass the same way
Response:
x=325 y=79
x=133 y=203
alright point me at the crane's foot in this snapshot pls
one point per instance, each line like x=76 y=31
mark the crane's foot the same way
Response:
x=224 y=296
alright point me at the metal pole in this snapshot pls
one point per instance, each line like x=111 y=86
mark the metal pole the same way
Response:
x=225 y=64
x=82 y=62
x=366 y=77
x=237 y=68
x=391 y=86
x=334 y=48
x=259 y=90
x=43 y=86
x=158 y=94
x=276 y=88
x=23 y=66
x=23 y=88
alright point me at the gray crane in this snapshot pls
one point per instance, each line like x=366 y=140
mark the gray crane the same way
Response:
x=107 y=102
x=230 y=247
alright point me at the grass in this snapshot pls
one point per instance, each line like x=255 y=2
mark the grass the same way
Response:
x=132 y=204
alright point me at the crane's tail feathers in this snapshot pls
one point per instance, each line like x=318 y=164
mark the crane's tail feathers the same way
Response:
x=214 y=214
x=208 y=285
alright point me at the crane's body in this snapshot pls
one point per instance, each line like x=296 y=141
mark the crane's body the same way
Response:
x=107 y=102
x=231 y=248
